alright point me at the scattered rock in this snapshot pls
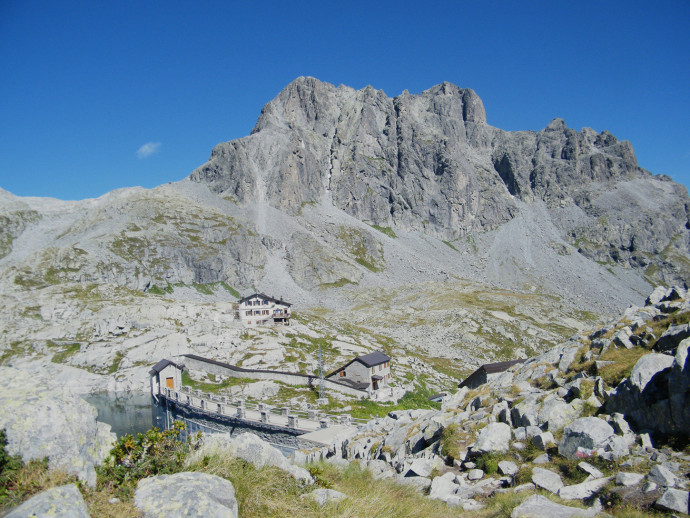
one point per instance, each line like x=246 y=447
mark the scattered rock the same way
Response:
x=590 y=470
x=537 y=506
x=674 y=500
x=506 y=467
x=475 y=474
x=547 y=479
x=586 y=433
x=443 y=487
x=662 y=476
x=495 y=437
x=186 y=494
x=543 y=440
x=628 y=479
x=253 y=449
x=57 y=502
x=542 y=459
x=323 y=496
x=672 y=337
x=583 y=490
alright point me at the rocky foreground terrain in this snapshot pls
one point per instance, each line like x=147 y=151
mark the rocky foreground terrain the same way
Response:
x=597 y=425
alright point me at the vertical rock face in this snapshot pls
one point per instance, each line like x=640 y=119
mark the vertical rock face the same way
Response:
x=430 y=162
x=386 y=160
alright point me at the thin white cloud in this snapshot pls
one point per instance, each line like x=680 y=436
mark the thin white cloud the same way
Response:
x=148 y=149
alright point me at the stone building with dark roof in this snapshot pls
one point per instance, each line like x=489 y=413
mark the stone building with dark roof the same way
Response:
x=165 y=374
x=368 y=372
x=486 y=372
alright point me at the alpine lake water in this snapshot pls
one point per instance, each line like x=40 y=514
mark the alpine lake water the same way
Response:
x=130 y=413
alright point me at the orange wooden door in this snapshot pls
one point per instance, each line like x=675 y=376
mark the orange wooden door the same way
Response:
x=169 y=383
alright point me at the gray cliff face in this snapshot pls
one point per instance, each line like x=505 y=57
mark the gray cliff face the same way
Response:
x=400 y=161
x=431 y=163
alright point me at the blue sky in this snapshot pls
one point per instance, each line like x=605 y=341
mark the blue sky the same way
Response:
x=101 y=95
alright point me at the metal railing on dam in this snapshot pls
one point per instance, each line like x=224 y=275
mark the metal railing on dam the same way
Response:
x=268 y=421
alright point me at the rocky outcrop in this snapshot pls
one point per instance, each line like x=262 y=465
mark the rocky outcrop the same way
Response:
x=474 y=444
x=585 y=435
x=186 y=494
x=42 y=419
x=56 y=502
x=656 y=396
x=254 y=450
x=538 y=506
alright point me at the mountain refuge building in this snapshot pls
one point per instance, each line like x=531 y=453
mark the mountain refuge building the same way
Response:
x=259 y=309
x=369 y=372
x=165 y=374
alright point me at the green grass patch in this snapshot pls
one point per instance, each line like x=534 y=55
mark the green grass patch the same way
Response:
x=385 y=230
x=157 y=290
x=337 y=284
x=211 y=387
x=69 y=351
x=448 y=243
x=204 y=289
x=115 y=364
x=232 y=291
x=624 y=361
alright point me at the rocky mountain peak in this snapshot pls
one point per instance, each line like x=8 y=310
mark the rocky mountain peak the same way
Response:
x=429 y=162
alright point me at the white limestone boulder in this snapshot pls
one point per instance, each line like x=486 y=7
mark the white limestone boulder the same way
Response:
x=538 y=506
x=254 y=450
x=186 y=494
x=547 y=479
x=495 y=437
x=57 y=502
x=44 y=419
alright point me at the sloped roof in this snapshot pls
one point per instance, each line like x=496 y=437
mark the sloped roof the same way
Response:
x=264 y=297
x=162 y=365
x=373 y=359
x=369 y=360
x=489 y=368
x=493 y=368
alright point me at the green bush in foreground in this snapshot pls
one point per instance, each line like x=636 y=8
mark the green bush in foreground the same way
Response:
x=144 y=455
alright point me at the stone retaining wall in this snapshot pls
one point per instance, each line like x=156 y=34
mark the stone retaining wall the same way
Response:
x=193 y=361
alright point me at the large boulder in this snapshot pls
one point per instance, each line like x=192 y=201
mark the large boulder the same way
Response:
x=186 y=494
x=584 y=489
x=547 y=479
x=538 y=506
x=443 y=487
x=672 y=337
x=44 y=419
x=556 y=413
x=679 y=388
x=647 y=368
x=253 y=449
x=584 y=434
x=674 y=500
x=494 y=437
x=656 y=395
x=57 y=502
